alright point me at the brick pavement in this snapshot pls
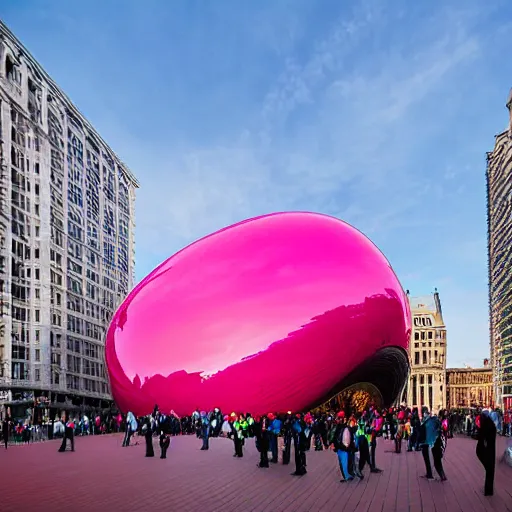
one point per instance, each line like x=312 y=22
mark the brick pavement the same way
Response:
x=101 y=475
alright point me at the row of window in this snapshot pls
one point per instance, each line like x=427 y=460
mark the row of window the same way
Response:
x=425 y=335
x=21 y=371
x=418 y=396
x=428 y=357
x=80 y=326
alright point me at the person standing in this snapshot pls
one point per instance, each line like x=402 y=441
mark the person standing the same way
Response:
x=399 y=421
x=274 y=431
x=148 y=436
x=287 y=438
x=6 y=425
x=486 y=449
x=262 y=437
x=430 y=437
x=375 y=430
x=362 y=445
x=131 y=427
x=164 y=426
x=299 y=445
x=237 y=433
x=353 y=455
x=415 y=424
x=341 y=442
x=205 y=430
x=69 y=433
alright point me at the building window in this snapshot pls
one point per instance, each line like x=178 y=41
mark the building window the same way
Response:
x=37 y=273
x=429 y=335
x=38 y=355
x=424 y=359
x=37 y=335
x=38 y=314
x=37 y=376
x=20 y=371
x=416 y=358
x=38 y=293
x=416 y=335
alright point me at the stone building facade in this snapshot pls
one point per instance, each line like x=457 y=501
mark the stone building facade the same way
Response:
x=66 y=241
x=427 y=380
x=469 y=387
x=499 y=237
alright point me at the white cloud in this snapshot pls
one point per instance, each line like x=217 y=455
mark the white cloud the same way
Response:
x=353 y=140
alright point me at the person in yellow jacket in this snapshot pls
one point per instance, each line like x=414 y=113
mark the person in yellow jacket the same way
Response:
x=244 y=427
x=237 y=435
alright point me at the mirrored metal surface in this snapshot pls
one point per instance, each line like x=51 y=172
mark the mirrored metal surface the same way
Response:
x=267 y=315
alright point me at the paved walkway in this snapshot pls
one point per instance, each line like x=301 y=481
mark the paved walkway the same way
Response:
x=101 y=475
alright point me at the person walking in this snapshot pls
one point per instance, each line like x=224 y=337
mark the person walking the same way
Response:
x=430 y=437
x=486 y=449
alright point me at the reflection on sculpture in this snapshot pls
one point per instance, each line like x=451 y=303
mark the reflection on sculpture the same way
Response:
x=276 y=313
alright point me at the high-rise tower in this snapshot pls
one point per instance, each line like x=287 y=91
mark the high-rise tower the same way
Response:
x=66 y=240
x=499 y=237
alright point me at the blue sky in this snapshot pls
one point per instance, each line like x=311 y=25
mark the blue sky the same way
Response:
x=377 y=111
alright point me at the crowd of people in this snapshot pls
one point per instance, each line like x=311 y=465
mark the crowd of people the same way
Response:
x=352 y=436
x=26 y=431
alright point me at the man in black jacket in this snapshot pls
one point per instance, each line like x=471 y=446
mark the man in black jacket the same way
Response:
x=287 y=438
x=262 y=436
x=164 y=425
x=299 y=445
x=486 y=449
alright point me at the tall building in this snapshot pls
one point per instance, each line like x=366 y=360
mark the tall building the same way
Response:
x=499 y=238
x=66 y=242
x=427 y=380
x=469 y=387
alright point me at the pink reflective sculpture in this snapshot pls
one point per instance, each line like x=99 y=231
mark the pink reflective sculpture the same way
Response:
x=275 y=313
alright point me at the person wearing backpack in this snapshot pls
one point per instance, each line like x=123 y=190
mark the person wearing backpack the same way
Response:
x=342 y=444
x=362 y=445
x=430 y=437
x=274 y=431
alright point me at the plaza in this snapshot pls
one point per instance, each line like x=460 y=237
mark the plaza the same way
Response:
x=101 y=475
